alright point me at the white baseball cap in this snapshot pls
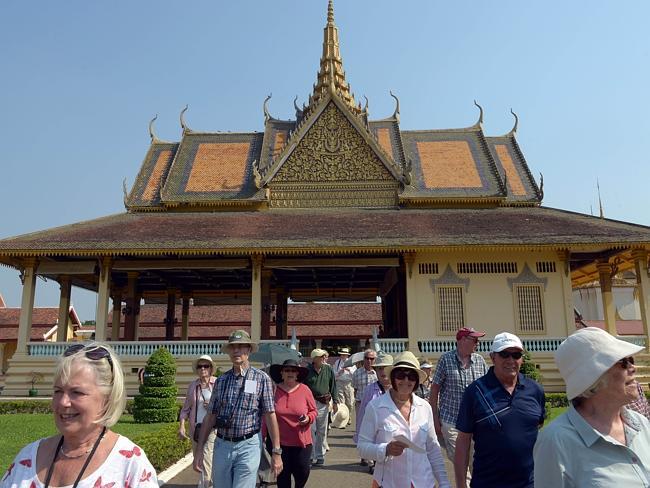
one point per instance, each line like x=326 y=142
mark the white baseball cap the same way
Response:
x=586 y=355
x=504 y=340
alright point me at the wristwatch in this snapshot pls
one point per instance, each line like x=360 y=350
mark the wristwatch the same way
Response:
x=277 y=450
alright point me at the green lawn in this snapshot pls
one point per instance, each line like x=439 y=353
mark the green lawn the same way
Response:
x=555 y=412
x=20 y=429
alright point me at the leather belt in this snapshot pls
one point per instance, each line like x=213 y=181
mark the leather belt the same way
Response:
x=236 y=439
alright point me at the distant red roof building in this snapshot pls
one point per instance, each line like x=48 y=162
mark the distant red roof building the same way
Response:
x=43 y=320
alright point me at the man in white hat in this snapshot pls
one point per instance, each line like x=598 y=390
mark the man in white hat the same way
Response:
x=502 y=412
x=321 y=382
x=343 y=375
x=239 y=399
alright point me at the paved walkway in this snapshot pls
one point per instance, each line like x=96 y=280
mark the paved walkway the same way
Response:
x=341 y=466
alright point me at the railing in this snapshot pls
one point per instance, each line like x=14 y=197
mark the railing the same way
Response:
x=638 y=340
x=392 y=346
x=142 y=348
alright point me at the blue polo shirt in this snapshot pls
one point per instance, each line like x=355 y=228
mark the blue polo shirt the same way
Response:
x=504 y=429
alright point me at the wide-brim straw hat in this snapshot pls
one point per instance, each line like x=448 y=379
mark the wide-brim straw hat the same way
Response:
x=383 y=360
x=205 y=357
x=276 y=370
x=407 y=360
x=317 y=353
x=239 y=337
x=587 y=355
x=342 y=416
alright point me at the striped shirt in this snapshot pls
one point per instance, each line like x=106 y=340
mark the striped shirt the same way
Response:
x=453 y=379
x=360 y=379
x=242 y=408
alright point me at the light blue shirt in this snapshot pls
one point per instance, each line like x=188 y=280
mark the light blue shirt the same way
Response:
x=571 y=453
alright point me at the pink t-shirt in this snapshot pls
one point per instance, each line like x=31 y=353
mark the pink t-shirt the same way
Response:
x=289 y=407
x=126 y=466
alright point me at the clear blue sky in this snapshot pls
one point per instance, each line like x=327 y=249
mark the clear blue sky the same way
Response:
x=80 y=81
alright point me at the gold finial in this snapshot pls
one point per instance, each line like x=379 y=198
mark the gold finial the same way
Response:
x=330 y=12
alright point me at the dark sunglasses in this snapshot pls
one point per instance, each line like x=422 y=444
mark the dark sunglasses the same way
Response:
x=625 y=362
x=513 y=355
x=369 y=359
x=401 y=374
x=203 y=366
x=289 y=370
x=94 y=353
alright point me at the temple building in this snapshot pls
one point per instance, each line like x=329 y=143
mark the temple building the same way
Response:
x=444 y=227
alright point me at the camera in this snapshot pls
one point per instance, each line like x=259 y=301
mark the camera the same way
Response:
x=222 y=422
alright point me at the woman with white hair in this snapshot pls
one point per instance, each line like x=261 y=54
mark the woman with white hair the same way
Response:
x=597 y=442
x=89 y=398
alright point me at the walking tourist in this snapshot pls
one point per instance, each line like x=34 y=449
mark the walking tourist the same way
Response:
x=456 y=369
x=596 y=442
x=343 y=375
x=321 y=382
x=362 y=377
x=424 y=388
x=502 y=412
x=89 y=398
x=194 y=409
x=239 y=398
x=641 y=403
x=397 y=432
x=378 y=388
x=295 y=409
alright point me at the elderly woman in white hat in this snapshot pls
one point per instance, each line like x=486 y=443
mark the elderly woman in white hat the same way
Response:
x=194 y=409
x=398 y=433
x=597 y=442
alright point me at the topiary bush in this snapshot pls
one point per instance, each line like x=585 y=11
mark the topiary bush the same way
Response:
x=529 y=370
x=157 y=399
x=163 y=448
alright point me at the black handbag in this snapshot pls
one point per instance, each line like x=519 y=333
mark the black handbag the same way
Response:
x=197 y=431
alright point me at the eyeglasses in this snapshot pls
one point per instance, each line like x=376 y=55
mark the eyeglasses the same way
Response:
x=401 y=374
x=626 y=362
x=513 y=355
x=94 y=353
x=289 y=370
x=369 y=359
x=203 y=366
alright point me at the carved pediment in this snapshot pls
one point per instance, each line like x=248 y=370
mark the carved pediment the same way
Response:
x=332 y=150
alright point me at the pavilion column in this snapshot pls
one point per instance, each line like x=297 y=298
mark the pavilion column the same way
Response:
x=185 y=328
x=609 y=308
x=171 y=314
x=281 y=306
x=643 y=289
x=2 y=357
x=131 y=306
x=411 y=302
x=117 y=315
x=26 y=305
x=65 y=284
x=266 y=304
x=136 y=325
x=567 y=291
x=103 y=296
x=256 y=298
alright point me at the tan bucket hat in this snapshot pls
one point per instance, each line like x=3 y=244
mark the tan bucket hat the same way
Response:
x=206 y=358
x=407 y=360
x=342 y=416
x=383 y=360
x=239 y=337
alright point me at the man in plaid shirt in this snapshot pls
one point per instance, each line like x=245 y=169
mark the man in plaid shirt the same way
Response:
x=240 y=397
x=455 y=371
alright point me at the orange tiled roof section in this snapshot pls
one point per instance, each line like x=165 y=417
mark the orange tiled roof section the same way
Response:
x=514 y=181
x=278 y=143
x=448 y=164
x=153 y=185
x=43 y=319
x=218 y=166
x=383 y=136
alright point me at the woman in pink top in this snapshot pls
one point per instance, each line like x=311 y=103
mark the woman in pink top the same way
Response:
x=295 y=409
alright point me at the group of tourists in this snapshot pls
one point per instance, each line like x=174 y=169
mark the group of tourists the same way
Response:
x=486 y=420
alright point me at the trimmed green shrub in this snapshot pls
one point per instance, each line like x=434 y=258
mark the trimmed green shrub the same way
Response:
x=163 y=448
x=529 y=369
x=557 y=399
x=157 y=399
x=25 y=406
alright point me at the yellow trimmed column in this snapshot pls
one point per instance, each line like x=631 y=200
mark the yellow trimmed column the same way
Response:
x=609 y=308
x=103 y=295
x=256 y=297
x=64 y=309
x=185 y=328
x=567 y=290
x=26 y=306
x=413 y=333
x=643 y=289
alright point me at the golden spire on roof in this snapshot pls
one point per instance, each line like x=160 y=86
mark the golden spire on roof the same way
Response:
x=331 y=75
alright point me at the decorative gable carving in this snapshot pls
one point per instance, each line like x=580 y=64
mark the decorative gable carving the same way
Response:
x=333 y=166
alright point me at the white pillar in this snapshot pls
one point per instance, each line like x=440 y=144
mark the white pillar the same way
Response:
x=567 y=291
x=643 y=289
x=64 y=309
x=256 y=298
x=26 y=306
x=414 y=333
x=103 y=295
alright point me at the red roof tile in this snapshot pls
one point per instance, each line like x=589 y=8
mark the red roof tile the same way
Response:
x=43 y=319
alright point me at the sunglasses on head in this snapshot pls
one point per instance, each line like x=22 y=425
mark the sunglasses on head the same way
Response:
x=401 y=374
x=94 y=353
x=626 y=362
x=513 y=355
x=203 y=366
